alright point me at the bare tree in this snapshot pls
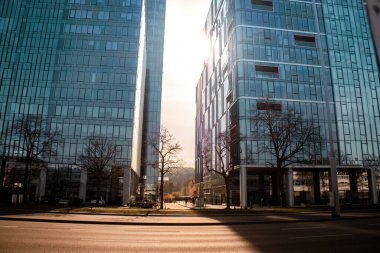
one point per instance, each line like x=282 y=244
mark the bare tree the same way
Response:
x=167 y=149
x=286 y=136
x=34 y=141
x=371 y=162
x=224 y=168
x=97 y=159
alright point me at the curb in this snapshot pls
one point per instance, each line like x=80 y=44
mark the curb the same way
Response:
x=169 y=214
x=91 y=222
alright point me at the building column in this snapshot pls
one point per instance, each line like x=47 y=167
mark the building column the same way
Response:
x=276 y=191
x=317 y=187
x=289 y=188
x=354 y=186
x=243 y=187
x=83 y=185
x=373 y=198
x=126 y=186
x=262 y=189
x=42 y=184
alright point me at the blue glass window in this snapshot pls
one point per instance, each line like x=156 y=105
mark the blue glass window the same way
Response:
x=263 y=71
x=266 y=5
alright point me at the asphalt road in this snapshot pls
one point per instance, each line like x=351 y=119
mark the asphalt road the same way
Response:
x=357 y=235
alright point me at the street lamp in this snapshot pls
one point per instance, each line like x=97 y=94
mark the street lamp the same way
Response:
x=334 y=195
x=142 y=190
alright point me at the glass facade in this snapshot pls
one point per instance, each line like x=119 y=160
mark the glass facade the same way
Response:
x=153 y=88
x=355 y=77
x=75 y=62
x=287 y=51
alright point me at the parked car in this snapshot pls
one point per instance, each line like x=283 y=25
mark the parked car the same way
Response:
x=49 y=200
x=144 y=203
x=64 y=201
x=70 y=201
x=102 y=202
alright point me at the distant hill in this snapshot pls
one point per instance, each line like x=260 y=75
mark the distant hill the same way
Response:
x=181 y=179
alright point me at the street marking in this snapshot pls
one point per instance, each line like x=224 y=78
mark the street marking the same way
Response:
x=374 y=224
x=90 y=229
x=169 y=232
x=100 y=240
x=318 y=236
x=281 y=218
x=301 y=228
x=8 y=226
x=105 y=240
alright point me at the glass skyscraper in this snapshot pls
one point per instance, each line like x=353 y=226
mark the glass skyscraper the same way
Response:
x=287 y=51
x=88 y=67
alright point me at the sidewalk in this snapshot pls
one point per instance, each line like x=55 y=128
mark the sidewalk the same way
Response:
x=179 y=220
x=189 y=217
x=189 y=205
x=182 y=205
x=177 y=206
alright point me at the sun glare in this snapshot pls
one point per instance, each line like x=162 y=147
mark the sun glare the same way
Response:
x=186 y=46
x=185 y=51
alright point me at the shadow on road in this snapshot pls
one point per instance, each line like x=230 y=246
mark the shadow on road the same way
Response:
x=30 y=208
x=354 y=231
x=264 y=230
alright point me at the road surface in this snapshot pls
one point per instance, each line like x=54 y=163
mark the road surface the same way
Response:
x=356 y=235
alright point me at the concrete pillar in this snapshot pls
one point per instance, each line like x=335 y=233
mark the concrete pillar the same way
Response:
x=353 y=176
x=373 y=198
x=317 y=187
x=276 y=191
x=243 y=187
x=83 y=185
x=126 y=185
x=289 y=188
x=42 y=185
x=262 y=189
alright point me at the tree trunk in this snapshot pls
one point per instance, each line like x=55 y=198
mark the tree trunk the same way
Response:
x=98 y=182
x=284 y=201
x=25 y=183
x=227 y=183
x=162 y=191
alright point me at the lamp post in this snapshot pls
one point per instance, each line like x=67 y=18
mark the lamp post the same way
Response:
x=334 y=194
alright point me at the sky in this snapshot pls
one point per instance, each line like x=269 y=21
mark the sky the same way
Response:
x=184 y=53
